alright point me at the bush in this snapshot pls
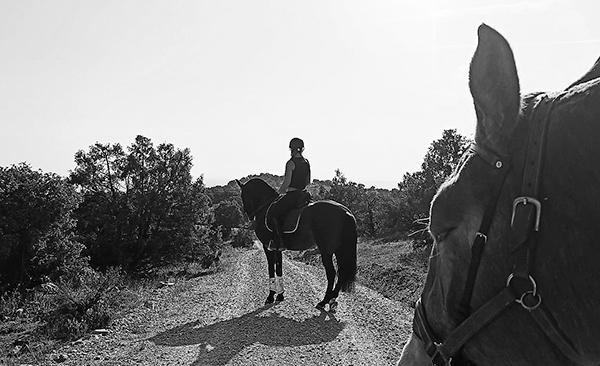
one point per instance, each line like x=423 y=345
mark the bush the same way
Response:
x=242 y=238
x=36 y=228
x=228 y=215
x=83 y=303
x=141 y=209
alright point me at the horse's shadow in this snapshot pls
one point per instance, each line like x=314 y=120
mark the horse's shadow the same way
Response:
x=220 y=342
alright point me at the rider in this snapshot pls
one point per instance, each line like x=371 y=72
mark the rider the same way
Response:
x=297 y=177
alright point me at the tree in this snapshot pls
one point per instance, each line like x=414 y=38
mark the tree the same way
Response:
x=36 y=228
x=141 y=207
x=102 y=215
x=418 y=188
x=228 y=215
x=443 y=156
x=354 y=196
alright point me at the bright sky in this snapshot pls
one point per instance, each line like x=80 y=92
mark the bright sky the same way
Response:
x=368 y=85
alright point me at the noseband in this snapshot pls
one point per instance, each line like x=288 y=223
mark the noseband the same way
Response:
x=521 y=287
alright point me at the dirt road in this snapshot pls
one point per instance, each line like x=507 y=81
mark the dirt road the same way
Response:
x=221 y=319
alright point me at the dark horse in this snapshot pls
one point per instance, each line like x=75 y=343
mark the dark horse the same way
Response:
x=326 y=224
x=513 y=275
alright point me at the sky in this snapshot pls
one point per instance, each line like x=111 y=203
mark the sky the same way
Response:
x=368 y=85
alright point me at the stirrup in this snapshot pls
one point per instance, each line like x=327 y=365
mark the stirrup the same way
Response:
x=272 y=247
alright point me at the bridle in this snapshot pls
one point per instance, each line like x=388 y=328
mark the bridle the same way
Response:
x=521 y=287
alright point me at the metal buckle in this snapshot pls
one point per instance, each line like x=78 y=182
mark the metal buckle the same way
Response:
x=437 y=358
x=533 y=284
x=521 y=301
x=481 y=235
x=533 y=293
x=525 y=201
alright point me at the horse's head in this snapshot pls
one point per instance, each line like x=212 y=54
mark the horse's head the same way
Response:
x=481 y=193
x=255 y=194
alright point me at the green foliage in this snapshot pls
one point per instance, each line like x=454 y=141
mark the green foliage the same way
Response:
x=418 y=188
x=229 y=192
x=136 y=208
x=443 y=156
x=36 y=228
x=364 y=203
x=242 y=238
x=82 y=303
x=381 y=212
x=228 y=215
x=141 y=208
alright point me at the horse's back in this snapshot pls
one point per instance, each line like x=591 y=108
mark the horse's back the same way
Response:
x=328 y=211
x=325 y=215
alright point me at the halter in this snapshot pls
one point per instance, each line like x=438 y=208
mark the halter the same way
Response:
x=521 y=287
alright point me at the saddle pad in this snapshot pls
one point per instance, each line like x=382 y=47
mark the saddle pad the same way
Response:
x=290 y=222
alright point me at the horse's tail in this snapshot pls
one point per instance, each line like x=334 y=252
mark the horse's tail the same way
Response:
x=346 y=255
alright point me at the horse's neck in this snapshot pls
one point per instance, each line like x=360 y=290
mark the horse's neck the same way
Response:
x=265 y=197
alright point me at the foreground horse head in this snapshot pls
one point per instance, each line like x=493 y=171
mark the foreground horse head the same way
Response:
x=513 y=273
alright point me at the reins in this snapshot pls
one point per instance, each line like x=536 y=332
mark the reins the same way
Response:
x=520 y=287
x=252 y=215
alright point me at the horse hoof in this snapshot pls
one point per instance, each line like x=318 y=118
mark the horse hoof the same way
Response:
x=271 y=298
x=279 y=297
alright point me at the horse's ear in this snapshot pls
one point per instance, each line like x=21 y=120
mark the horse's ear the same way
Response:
x=239 y=183
x=494 y=86
x=594 y=73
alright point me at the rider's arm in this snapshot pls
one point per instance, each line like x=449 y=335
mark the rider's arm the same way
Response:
x=308 y=176
x=289 y=167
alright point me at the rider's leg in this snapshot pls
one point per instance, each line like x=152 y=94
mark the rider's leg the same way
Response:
x=278 y=242
x=277 y=212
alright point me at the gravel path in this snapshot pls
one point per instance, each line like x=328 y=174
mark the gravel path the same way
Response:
x=221 y=319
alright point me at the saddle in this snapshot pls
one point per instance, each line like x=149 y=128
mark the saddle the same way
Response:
x=292 y=218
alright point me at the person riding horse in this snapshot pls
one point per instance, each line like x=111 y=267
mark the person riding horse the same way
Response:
x=297 y=177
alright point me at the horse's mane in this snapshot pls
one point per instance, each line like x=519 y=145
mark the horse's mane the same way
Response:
x=260 y=186
x=592 y=74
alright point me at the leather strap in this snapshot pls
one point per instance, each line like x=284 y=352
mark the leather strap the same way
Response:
x=479 y=319
x=481 y=238
x=558 y=338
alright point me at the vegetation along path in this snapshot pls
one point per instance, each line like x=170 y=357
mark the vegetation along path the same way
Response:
x=221 y=319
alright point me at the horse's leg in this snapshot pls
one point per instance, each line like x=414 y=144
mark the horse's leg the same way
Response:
x=327 y=259
x=279 y=275
x=338 y=285
x=271 y=266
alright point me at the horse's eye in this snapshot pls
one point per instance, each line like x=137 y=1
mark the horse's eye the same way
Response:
x=440 y=236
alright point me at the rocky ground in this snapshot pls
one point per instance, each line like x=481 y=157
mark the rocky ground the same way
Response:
x=221 y=319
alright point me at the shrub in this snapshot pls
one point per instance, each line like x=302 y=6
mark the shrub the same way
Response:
x=141 y=209
x=82 y=303
x=242 y=238
x=36 y=228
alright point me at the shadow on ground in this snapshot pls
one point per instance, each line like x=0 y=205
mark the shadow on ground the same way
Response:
x=220 y=342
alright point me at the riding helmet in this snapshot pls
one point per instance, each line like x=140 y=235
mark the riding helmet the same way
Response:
x=296 y=143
